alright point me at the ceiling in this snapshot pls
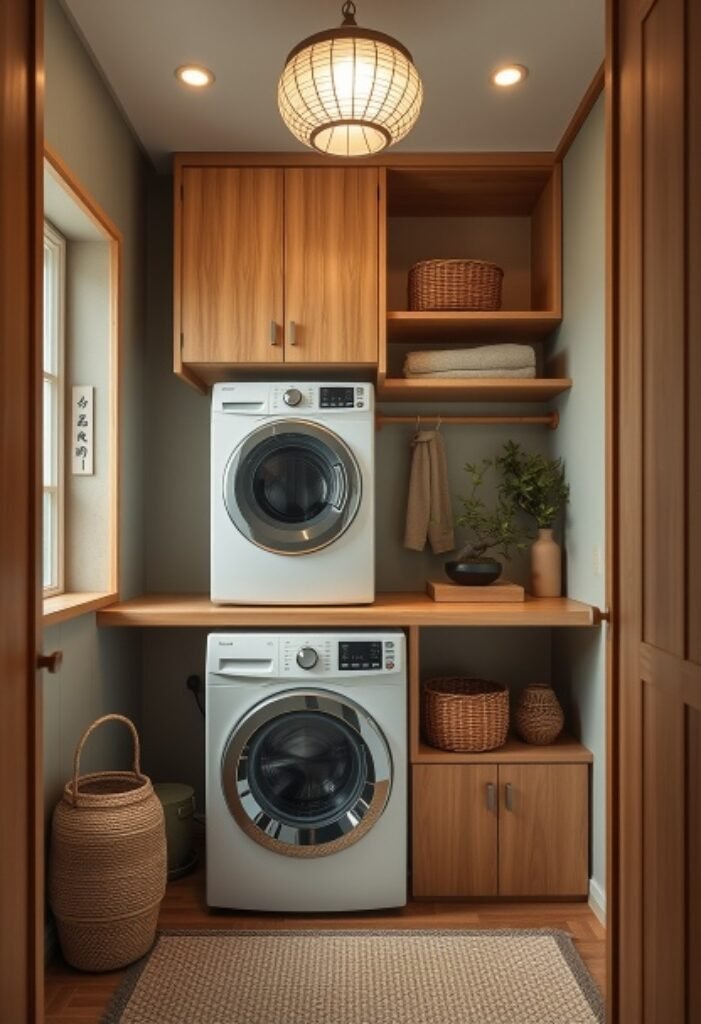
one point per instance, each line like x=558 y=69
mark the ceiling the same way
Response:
x=456 y=44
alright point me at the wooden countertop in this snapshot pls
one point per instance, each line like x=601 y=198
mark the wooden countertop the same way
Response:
x=389 y=609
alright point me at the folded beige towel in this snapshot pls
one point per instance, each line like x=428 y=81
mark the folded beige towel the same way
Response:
x=429 y=512
x=482 y=357
x=526 y=371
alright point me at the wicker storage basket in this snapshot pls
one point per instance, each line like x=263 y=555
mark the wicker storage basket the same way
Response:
x=465 y=714
x=455 y=284
x=539 y=717
x=107 y=866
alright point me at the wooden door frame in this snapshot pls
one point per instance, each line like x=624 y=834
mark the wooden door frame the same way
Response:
x=21 y=258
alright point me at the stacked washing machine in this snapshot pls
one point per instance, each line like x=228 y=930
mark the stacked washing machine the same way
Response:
x=306 y=732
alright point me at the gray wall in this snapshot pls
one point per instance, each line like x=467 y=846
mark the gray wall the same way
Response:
x=102 y=668
x=579 y=350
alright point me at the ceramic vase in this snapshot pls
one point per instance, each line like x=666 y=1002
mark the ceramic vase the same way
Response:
x=539 y=717
x=546 y=565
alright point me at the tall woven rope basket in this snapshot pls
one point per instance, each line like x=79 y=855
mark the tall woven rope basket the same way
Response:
x=107 y=865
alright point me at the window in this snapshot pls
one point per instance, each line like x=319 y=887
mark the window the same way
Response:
x=54 y=387
x=82 y=259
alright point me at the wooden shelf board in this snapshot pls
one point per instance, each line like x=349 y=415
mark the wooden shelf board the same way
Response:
x=565 y=750
x=62 y=607
x=389 y=609
x=503 y=325
x=485 y=389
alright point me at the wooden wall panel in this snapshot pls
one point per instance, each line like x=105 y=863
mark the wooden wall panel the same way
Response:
x=663 y=333
x=693 y=864
x=21 y=256
x=663 y=882
x=656 y=849
x=626 y=953
x=693 y=285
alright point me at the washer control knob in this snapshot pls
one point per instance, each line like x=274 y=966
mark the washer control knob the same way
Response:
x=293 y=396
x=307 y=657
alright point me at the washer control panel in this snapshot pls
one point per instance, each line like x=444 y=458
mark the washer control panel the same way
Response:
x=312 y=398
x=320 y=655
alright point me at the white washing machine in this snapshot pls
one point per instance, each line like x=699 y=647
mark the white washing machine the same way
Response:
x=292 y=519
x=306 y=771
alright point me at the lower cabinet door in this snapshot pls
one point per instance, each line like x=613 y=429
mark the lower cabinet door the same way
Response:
x=454 y=831
x=543 y=829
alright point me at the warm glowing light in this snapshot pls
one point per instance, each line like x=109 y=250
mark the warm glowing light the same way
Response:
x=349 y=91
x=511 y=75
x=194 y=75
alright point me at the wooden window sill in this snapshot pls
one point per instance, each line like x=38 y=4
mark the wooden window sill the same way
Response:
x=62 y=607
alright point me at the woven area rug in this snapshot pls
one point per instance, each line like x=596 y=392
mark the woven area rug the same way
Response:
x=359 y=977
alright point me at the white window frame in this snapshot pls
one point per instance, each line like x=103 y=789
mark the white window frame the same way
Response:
x=54 y=417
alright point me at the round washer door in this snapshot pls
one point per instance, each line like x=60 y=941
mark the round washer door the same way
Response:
x=292 y=487
x=306 y=773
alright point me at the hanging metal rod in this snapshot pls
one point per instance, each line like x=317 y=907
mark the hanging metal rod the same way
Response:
x=550 y=419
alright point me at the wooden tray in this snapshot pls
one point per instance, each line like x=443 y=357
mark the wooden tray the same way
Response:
x=502 y=590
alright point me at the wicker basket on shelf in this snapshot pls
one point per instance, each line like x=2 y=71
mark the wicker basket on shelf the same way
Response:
x=455 y=285
x=107 y=866
x=465 y=715
x=539 y=717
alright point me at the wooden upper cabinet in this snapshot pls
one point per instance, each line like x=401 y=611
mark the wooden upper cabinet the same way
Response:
x=231 y=274
x=275 y=264
x=543 y=830
x=331 y=265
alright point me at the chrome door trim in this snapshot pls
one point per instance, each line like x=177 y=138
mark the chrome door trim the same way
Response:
x=283 y=837
x=297 y=538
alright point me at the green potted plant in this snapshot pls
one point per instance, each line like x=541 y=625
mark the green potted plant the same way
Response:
x=491 y=529
x=536 y=485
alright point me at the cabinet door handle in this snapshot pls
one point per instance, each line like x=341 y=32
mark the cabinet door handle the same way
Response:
x=273 y=333
x=491 y=797
x=509 y=796
x=293 y=332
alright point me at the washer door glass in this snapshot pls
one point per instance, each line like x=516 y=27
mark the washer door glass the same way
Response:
x=292 y=487
x=307 y=773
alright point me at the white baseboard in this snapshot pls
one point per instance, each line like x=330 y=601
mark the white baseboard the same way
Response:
x=597 y=900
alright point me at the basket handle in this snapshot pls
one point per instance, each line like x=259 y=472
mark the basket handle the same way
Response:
x=136 y=768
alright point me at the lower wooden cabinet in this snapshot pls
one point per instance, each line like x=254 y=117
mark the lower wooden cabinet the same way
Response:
x=455 y=830
x=500 y=830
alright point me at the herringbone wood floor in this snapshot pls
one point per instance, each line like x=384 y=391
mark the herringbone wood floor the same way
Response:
x=74 y=998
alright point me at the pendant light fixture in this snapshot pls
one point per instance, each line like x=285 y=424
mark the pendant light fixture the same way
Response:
x=349 y=91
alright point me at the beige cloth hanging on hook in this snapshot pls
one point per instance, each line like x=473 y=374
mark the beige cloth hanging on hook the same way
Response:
x=429 y=513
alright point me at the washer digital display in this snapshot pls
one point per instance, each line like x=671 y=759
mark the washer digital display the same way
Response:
x=359 y=655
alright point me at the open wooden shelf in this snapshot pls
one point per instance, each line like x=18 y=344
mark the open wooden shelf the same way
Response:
x=564 y=750
x=390 y=609
x=483 y=389
x=503 y=325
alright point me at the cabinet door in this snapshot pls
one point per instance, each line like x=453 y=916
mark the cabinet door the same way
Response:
x=543 y=830
x=231 y=265
x=331 y=265
x=454 y=831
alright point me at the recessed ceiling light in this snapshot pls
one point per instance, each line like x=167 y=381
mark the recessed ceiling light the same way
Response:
x=512 y=74
x=194 y=75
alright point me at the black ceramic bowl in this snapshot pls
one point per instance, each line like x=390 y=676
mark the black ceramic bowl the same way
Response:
x=475 y=573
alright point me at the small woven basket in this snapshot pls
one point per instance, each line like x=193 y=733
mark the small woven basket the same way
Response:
x=539 y=718
x=455 y=284
x=465 y=715
x=107 y=865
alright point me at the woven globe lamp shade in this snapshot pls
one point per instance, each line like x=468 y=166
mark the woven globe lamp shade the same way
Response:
x=349 y=91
